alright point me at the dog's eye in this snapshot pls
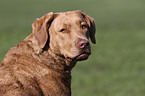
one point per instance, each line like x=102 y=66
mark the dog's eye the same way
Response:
x=63 y=30
x=84 y=26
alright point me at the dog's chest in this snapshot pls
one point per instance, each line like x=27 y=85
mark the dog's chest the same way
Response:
x=53 y=86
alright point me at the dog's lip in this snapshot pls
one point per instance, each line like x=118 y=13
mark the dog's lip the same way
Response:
x=79 y=57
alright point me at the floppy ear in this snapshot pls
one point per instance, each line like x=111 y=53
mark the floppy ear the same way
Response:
x=92 y=27
x=40 y=28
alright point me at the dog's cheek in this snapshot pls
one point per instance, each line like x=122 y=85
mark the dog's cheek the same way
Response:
x=64 y=45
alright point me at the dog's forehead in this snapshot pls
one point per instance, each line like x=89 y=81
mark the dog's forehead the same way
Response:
x=69 y=17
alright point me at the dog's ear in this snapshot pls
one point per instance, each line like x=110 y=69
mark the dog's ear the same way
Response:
x=92 y=27
x=40 y=28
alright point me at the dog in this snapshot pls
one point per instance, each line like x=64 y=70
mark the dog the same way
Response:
x=41 y=64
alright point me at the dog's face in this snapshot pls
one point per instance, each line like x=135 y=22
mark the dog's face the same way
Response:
x=69 y=33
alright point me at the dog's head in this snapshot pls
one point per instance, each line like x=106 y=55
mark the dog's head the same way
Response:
x=67 y=34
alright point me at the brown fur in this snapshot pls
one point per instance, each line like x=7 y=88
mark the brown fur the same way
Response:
x=41 y=64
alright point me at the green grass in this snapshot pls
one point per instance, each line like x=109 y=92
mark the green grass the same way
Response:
x=117 y=64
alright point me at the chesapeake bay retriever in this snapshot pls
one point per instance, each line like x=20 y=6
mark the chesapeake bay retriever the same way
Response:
x=41 y=64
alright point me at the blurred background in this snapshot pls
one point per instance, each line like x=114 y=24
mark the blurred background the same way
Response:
x=117 y=64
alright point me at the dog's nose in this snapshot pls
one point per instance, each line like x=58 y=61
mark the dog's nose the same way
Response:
x=83 y=43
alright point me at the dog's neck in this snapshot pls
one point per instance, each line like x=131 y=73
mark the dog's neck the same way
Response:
x=59 y=68
x=56 y=62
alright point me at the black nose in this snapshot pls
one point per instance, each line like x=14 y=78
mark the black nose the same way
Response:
x=82 y=44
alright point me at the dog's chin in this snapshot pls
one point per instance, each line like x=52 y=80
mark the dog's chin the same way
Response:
x=83 y=56
x=80 y=57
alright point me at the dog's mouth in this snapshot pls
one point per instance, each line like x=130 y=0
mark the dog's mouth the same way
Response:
x=80 y=57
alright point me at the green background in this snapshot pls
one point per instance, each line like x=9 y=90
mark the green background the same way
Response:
x=117 y=64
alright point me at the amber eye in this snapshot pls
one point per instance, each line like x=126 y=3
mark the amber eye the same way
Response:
x=84 y=26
